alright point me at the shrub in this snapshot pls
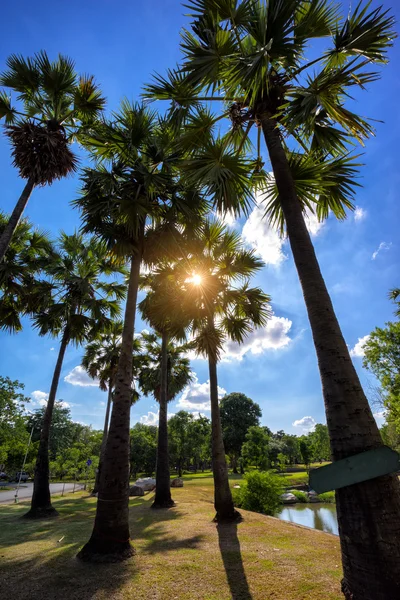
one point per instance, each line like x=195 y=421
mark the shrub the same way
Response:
x=328 y=497
x=301 y=496
x=259 y=492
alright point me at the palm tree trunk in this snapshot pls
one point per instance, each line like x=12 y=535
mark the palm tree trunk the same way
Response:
x=369 y=512
x=223 y=502
x=15 y=217
x=41 y=506
x=163 y=488
x=110 y=539
x=104 y=440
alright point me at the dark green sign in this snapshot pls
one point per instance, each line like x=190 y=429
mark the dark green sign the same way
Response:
x=355 y=469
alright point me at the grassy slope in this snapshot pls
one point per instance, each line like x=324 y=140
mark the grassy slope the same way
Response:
x=181 y=554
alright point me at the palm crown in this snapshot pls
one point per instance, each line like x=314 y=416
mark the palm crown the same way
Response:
x=22 y=274
x=53 y=105
x=179 y=374
x=82 y=302
x=251 y=56
x=216 y=294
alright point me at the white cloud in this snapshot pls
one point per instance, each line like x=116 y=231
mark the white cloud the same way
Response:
x=271 y=337
x=78 y=376
x=40 y=399
x=197 y=396
x=262 y=238
x=380 y=415
x=51 y=349
x=102 y=403
x=306 y=424
x=359 y=213
x=313 y=225
x=382 y=246
x=152 y=418
x=358 y=350
x=227 y=218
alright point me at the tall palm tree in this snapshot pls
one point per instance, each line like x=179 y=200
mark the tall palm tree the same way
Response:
x=82 y=304
x=222 y=307
x=124 y=205
x=101 y=362
x=163 y=372
x=23 y=286
x=252 y=56
x=54 y=103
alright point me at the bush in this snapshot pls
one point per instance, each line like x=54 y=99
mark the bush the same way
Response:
x=259 y=492
x=328 y=497
x=301 y=496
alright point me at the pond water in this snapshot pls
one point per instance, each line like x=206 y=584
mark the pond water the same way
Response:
x=317 y=516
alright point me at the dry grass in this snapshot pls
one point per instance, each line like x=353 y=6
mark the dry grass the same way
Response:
x=181 y=555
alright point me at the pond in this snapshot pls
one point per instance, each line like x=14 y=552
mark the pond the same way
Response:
x=317 y=516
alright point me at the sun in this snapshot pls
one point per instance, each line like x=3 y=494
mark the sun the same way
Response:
x=196 y=279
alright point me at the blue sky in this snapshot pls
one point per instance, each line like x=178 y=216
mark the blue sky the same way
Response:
x=122 y=44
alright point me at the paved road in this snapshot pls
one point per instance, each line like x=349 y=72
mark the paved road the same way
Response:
x=26 y=490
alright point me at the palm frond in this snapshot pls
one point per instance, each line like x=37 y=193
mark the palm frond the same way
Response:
x=7 y=112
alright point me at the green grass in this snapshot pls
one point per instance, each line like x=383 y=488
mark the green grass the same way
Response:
x=4 y=488
x=180 y=554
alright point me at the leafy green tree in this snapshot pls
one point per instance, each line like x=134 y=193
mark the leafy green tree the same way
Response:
x=260 y=492
x=199 y=441
x=220 y=310
x=13 y=434
x=82 y=304
x=306 y=453
x=291 y=448
x=143 y=450
x=255 y=447
x=276 y=446
x=382 y=358
x=251 y=58
x=319 y=439
x=23 y=288
x=54 y=104
x=163 y=372
x=238 y=414
x=62 y=432
x=178 y=433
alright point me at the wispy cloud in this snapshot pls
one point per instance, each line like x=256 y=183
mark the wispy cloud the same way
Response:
x=359 y=213
x=382 y=246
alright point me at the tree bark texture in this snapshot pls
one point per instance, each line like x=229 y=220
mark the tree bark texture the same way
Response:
x=369 y=512
x=15 y=218
x=104 y=439
x=41 y=506
x=163 y=486
x=110 y=539
x=223 y=502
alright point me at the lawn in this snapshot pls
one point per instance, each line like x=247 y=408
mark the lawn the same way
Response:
x=181 y=554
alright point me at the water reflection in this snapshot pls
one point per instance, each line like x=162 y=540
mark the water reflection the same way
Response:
x=317 y=516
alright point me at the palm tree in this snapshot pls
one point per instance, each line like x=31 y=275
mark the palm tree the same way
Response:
x=101 y=361
x=23 y=286
x=220 y=310
x=163 y=372
x=54 y=103
x=82 y=304
x=251 y=55
x=125 y=204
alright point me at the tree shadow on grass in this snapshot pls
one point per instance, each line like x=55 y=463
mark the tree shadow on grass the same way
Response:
x=229 y=546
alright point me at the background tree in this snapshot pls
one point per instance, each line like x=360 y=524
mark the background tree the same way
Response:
x=319 y=439
x=13 y=434
x=382 y=358
x=101 y=362
x=82 y=303
x=221 y=310
x=253 y=56
x=143 y=449
x=255 y=448
x=23 y=287
x=306 y=453
x=54 y=104
x=178 y=433
x=199 y=441
x=163 y=372
x=238 y=414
